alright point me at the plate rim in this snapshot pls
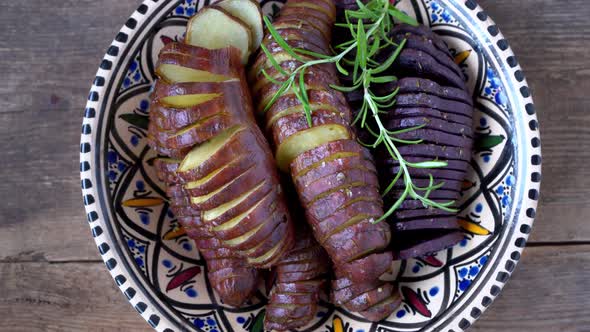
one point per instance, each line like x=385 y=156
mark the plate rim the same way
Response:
x=153 y=312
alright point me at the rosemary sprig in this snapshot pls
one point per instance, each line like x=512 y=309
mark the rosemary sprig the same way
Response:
x=367 y=40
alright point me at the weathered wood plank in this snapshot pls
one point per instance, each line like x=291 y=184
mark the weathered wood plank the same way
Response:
x=551 y=39
x=49 y=51
x=63 y=297
x=41 y=215
x=548 y=292
x=48 y=62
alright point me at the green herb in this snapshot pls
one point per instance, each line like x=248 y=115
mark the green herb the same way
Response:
x=368 y=38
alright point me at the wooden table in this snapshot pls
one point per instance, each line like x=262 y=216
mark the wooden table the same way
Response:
x=51 y=276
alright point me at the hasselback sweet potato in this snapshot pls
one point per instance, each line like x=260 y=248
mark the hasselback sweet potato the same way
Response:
x=231 y=277
x=202 y=109
x=300 y=277
x=335 y=176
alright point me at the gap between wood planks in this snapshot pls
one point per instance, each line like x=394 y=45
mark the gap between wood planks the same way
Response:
x=91 y=261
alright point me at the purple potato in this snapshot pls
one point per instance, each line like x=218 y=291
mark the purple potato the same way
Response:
x=421 y=213
x=448 y=195
x=412 y=204
x=412 y=62
x=435 y=151
x=403 y=111
x=416 y=84
x=422 y=30
x=404 y=122
x=426 y=100
x=421 y=245
x=455 y=165
x=440 y=222
x=421 y=43
x=437 y=137
x=437 y=173
x=454 y=185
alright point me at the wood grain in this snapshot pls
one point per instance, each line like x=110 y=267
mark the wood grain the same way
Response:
x=552 y=39
x=549 y=291
x=48 y=62
x=82 y=296
x=63 y=297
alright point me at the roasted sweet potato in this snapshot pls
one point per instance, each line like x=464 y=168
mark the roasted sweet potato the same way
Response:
x=234 y=281
x=329 y=151
x=300 y=277
x=383 y=309
x=324 y=207
x=367 y=268
x=325 y=160
x=228 y=172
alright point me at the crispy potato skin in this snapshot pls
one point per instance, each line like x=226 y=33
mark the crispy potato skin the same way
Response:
x=336 y=181
x=260 y=229
x=234 y=281
x=300 y=278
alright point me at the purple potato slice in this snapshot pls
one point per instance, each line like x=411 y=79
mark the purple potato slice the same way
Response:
x=420 y=43
x=454 y=185
x=416 y=85
x=438 y=174
x=420 y=243
x=409 y=111
x=412 y=204
x=455 y=165
x=426 y=100
x=437 y=137
x=412 y=62
x=434 y=151
x=429 y=123
x=448 y=195
x=422 y=30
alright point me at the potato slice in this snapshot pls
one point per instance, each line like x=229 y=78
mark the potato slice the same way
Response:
x=266 y=258
x=297 y=109
x=237 y=219
x=250 y=13
x=206 y=179
x=306 y=140
x=202 y=152
x=223 y=208
x=179 y=74
x=196 y=200
x=183 y=101
x=215 y=28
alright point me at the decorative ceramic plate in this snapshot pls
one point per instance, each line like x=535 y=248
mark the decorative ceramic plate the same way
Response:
x=159 y=270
